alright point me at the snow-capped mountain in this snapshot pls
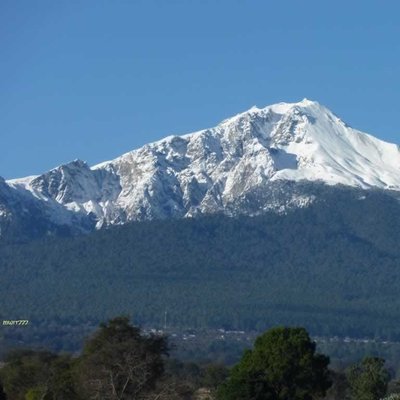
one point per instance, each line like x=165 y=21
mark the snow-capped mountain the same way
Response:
x=252 y=162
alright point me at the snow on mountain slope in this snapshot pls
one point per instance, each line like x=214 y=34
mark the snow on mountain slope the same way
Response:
x=236 y=167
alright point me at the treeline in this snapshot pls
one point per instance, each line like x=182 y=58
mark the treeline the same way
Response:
x=120 y=362
x=117 y=362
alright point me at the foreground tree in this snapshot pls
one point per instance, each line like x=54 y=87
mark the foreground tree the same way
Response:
x=369 y=379
x=118 y=362
x=25 y=370
x=31 y=375
x=282 y=366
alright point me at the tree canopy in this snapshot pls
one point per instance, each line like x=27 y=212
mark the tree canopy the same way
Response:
x=368 y=380
x=34 y=375
x=119 y=362
x=283 y=365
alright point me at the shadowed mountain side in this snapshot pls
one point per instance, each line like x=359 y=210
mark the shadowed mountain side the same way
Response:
x=332 y=267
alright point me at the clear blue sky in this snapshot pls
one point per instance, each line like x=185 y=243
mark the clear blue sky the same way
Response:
x=93 y=79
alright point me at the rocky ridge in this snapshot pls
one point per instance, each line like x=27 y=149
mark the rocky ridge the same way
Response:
x=256 y=161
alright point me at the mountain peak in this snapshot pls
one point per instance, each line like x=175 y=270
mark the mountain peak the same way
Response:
x=279 y=108
x=307 y=102
x=238 y=167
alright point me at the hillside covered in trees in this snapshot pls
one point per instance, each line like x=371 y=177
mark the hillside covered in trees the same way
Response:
x=333 y=267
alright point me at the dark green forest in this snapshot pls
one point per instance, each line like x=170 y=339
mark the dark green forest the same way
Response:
x=333 y=267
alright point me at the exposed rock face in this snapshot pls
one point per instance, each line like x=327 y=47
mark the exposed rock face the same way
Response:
x=253 y=162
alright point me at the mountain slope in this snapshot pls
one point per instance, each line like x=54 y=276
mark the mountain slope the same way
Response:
x=332 y=267
x=242 y=166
